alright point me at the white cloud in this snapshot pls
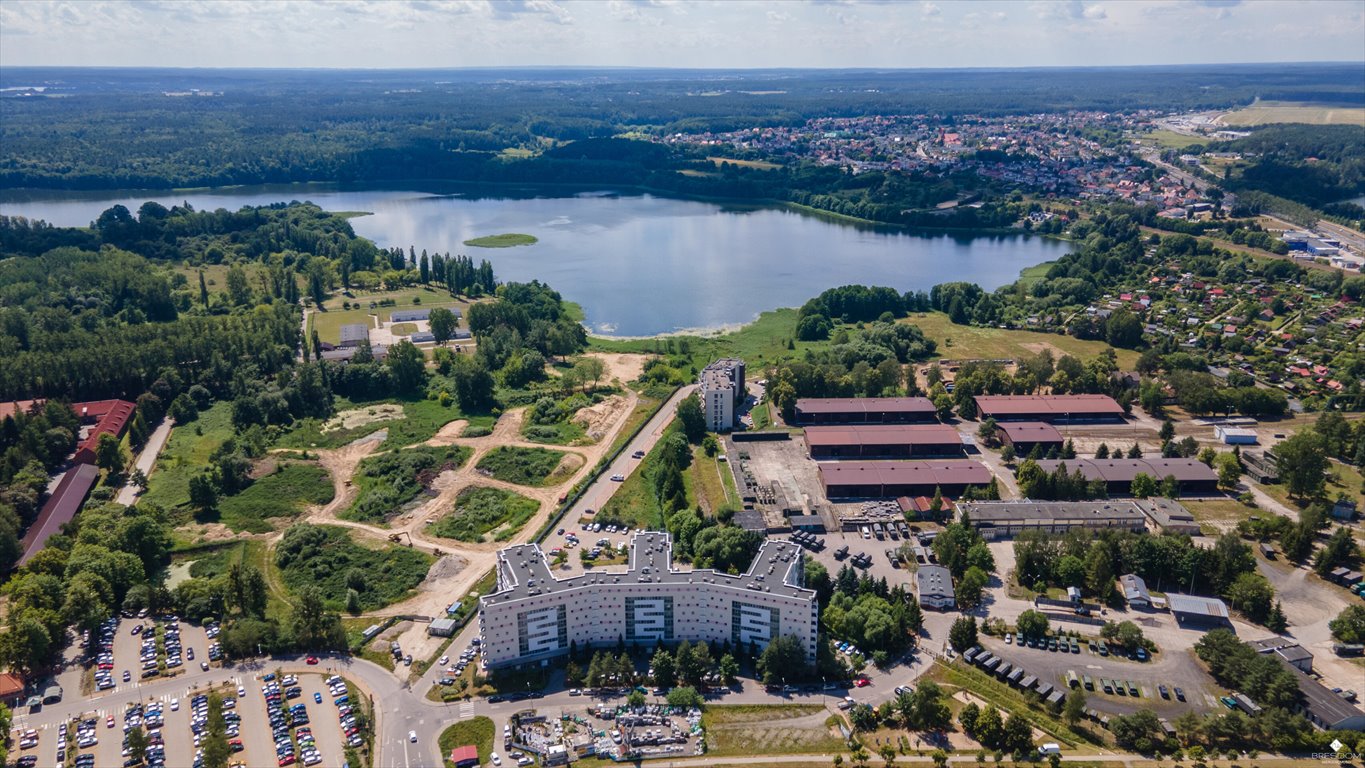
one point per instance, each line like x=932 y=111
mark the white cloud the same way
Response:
x=709 y=33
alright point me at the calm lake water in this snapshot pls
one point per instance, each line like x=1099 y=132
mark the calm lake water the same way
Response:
x=638 y=264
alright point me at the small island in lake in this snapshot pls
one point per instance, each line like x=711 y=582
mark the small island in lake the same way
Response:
x=507 y=240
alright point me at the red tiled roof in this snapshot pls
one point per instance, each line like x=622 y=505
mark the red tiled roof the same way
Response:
x=884 y=434
x=1060 y=405
x=946 y=472
x=1124 y=470
x=13 y=408
x=808 y=405
x=1030 y=432
x=60 y=508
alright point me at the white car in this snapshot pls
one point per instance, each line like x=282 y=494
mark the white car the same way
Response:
x=496 y=760
x=241 y=692
x=412 y=736
x=175 y=705
x=444 y=660
x=616 y=479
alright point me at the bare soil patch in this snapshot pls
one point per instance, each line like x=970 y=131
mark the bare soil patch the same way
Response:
x=359 y=417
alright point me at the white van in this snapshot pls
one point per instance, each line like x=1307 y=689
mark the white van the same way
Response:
x=1050 y=749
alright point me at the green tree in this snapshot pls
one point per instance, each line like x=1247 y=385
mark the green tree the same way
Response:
x=970 y=587
x=1229 y=470
x=137 y=741
x=963 y=633
x=1349 y=625
x=408 y=366
x=1031 y=624
x=784 y=658
x=685 y=697
x=216 y=749
x=728 y=669
x=691 y=417
x=239 y=292
x=109 y=454
x=203 y=290
x=442 y=323
x=636 y=699
x=1074 y=708
x=1099 y=571
x=887 y=752
x=316 y=628
x=1144 y=485
x=665 y=672
x=1302 y=463
x=203 y=496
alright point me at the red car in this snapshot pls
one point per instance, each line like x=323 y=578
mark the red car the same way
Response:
x=311 y=660
x=862 y=682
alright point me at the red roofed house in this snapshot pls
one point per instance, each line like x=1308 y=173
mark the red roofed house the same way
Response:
x=464 y=756
x=11 y=689
x=109 y=417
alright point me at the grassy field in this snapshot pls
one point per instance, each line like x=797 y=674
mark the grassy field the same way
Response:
x=709 y=480
x=1341 y=478
x=762 y=341
x=282 y=494
x=761 y=165
x=480 y=512
x=523 y=466
x=421 y=420
x=389 y=481
x=210 y=560
x=963 y=341
x=1217 y=515
x=1173 y=140
x=505 y=240
x=328 y=323
x=477 y=731
x=769 y=730
x=186 y=454
x=330 y=558
x=1030 y=275
x=403 y=329
x=1264 y=112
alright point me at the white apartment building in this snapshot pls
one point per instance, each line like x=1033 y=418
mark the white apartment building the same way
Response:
x=721 y=385
x=532 y=616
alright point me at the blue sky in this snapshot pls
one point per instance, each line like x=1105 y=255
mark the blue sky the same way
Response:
x=676 y=33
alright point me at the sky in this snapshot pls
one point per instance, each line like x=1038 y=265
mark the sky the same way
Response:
x=676 y=33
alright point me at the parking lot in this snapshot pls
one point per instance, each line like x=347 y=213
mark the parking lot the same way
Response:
x=133 y=650
x=1172 y=669
x=575 y=539
x=304 y=712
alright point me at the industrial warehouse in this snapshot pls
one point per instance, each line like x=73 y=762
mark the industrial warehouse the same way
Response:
x=883 y=441
x=1193 y=475
x=865 y=410
x=1007 y=519
x=533 y=616
x=1069 y=409
x=890 y=479
x=1026 y=437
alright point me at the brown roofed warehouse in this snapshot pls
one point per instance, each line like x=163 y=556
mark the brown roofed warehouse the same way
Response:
x=60 y=509
x=865 y=410
x=1024 y=436
x=889 y=479
x=109 y=416
x=1049 y=408
x=1193 y=475
x=883 y=441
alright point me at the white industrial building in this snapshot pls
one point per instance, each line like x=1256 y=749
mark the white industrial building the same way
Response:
x=532 y=616
x=721 y=386
x=1235 y=435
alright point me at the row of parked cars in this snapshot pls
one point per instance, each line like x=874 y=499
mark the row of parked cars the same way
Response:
x=466 y=658
x=277 y=693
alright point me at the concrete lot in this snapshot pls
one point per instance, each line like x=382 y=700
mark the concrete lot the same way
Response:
x=1176 y=668
x=128 y=647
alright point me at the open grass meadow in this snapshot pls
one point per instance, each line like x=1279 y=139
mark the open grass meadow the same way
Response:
x=709 y=477
x=282 y=494
x=216 y=558
x=335 y=561
x=187 y=454
x=1173 y=140
x=781 y=729
x=484 y=514
x=388 y=482
x=761 y=165
x=523 y=466
x=1265 y=112
x=476 y=731
x=967 y=341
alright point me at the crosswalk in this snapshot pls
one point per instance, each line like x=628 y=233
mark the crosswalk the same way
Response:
x=466 y=709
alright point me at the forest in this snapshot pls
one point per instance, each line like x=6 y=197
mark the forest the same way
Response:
x=93 y=129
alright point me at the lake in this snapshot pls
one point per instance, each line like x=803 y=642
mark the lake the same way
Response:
x=638 y=264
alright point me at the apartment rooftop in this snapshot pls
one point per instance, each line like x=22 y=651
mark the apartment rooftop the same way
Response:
x=523 y=571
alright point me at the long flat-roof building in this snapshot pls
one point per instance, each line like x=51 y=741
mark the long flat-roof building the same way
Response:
x=721 y=388
x=60 y=509
x=533 y=616
x=409 y=315
x=1007 y=519
x=1049 y=408
x=1193 y=475
x=890 y=479
x=1288 y=651
x=865 y=410
x=1324 y=708
x=1025 y=436
x=1168 y=515
x=883 y=441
